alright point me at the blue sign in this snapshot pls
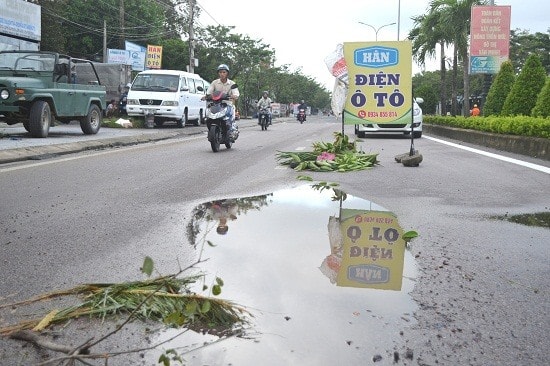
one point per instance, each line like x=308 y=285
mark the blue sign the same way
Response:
x=368 y=273
x=484 y=64
x=376 y=56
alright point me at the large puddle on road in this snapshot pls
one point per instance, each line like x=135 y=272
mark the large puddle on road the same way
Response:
x=326 y=276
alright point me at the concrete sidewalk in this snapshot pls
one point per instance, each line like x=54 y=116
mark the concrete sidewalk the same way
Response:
x=17 y=145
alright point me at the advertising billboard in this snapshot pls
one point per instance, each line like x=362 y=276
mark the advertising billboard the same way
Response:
x=154 y=57
x=380 y=82
x=20 y=19
x=489 y=38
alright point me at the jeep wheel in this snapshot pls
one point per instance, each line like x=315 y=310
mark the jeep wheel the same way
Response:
x=26 y=125
x=91 y=123
x=40 y=119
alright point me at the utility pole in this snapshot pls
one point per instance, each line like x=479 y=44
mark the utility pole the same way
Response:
x=104 y=40
x=121 y=21
x=191 y=37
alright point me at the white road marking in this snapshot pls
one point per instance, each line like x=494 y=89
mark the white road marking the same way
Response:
x=494 y=156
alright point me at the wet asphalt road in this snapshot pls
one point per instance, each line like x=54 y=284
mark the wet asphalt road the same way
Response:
x=482 y=291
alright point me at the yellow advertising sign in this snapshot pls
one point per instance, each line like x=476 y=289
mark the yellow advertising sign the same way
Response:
x=154 y=57
x=380 y=82
x=373 y=253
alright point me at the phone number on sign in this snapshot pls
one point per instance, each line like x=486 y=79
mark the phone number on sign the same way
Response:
x=371 y=114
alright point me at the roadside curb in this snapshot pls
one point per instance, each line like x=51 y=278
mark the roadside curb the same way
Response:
x=534 y=147
x=140 y=136
x=42 y=152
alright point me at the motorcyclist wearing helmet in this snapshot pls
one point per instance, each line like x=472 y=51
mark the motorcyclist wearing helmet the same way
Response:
x=123 y=99
x=303 y=106
x=264 y=102
x=223 y=84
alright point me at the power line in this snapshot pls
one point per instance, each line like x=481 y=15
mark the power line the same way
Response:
x=117 y=32
x=207 y=13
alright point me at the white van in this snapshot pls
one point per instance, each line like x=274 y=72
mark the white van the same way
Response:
x=170 y=95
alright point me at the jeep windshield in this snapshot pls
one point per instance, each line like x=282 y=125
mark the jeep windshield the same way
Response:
x=27 y=61
x=162 y=83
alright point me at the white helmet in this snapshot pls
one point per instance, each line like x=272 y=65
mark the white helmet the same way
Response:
x=129 y=85
x=223 y=67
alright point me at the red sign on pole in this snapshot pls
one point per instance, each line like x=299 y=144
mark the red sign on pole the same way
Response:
x=490 y=38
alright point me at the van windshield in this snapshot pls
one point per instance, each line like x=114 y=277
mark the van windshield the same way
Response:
x=156 y=82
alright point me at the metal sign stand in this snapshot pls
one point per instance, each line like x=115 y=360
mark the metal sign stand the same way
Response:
x=411 y=152
x=413 y=158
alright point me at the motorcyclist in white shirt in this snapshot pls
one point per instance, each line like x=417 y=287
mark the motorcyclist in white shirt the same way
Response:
x=223 y=84
x=264 y=102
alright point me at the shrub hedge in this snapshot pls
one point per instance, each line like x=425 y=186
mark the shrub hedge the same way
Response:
x=517 y=125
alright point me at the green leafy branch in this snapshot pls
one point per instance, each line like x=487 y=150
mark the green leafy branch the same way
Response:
x=340 y=155
x=165 y=299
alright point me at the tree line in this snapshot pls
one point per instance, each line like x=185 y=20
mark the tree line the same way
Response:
x=78 y=28
x=446 y=25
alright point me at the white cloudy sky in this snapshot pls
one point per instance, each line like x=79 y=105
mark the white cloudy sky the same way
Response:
x=304 y=32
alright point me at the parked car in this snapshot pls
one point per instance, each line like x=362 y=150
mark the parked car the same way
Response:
x=362 y=129
x=40 y=87
x=168 y=95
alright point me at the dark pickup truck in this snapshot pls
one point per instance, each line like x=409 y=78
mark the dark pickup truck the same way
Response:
x=38 y=88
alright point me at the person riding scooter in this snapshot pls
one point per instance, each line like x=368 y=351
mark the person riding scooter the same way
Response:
x=303 y=106
x=264 y=103
x=223 y=84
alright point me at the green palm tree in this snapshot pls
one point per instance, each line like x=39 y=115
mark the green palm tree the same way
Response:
x=426 y=36
x=447 y=23
x=454 y=20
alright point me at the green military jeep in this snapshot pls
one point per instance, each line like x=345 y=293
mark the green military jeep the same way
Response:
x=38 y=87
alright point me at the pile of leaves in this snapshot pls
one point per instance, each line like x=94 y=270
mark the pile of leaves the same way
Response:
x=165 y=299
x=341 y=156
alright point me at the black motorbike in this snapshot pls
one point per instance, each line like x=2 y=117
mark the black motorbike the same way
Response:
x=216 y=121
x=301 y=115
x=263 y=115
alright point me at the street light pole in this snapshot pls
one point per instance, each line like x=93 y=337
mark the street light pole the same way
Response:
x=377 y=29
x=191 y=37
x=398 y=18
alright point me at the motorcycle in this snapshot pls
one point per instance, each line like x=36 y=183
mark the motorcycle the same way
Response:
x=301 y=115
x=216 y=118
x=264 y=118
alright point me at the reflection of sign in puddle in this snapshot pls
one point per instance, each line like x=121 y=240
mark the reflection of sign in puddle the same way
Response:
x=269 y=261
x=367 y=250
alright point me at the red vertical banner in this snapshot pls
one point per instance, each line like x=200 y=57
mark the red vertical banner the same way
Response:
x=489 y=38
